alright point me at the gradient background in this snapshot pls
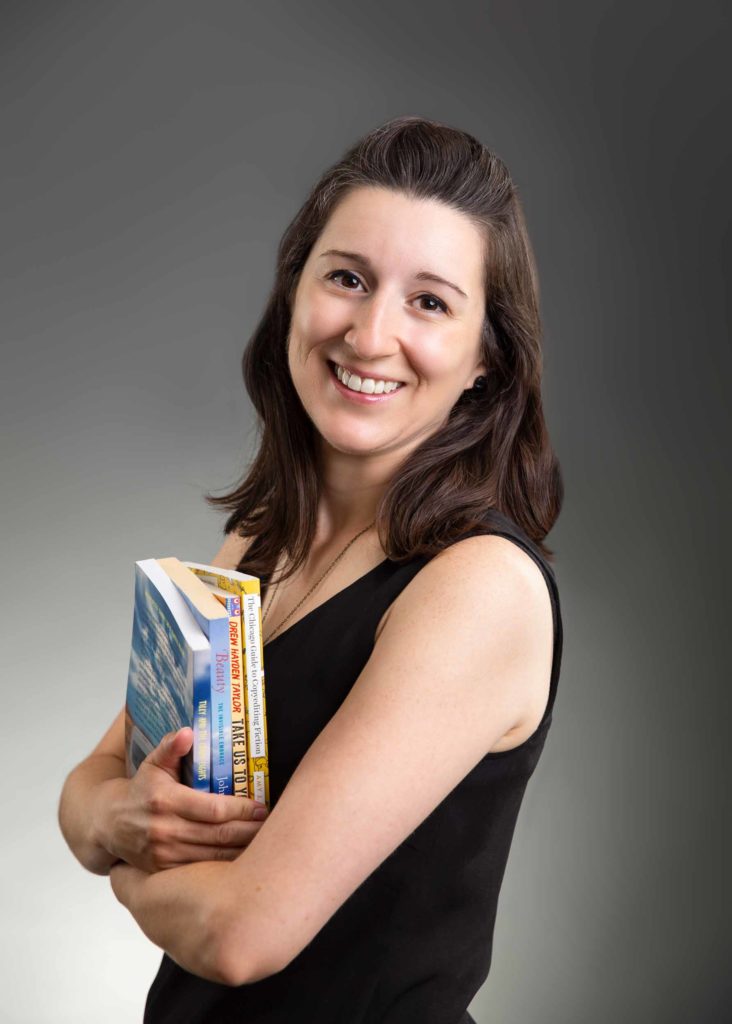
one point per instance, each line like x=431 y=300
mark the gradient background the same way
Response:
x=152 y=155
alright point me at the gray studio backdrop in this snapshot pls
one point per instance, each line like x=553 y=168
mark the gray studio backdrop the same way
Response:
x=152 y=155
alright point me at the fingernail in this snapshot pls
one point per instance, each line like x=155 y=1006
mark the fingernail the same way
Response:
x=260 y=813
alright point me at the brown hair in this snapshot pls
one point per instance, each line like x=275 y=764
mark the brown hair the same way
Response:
x=493 y=452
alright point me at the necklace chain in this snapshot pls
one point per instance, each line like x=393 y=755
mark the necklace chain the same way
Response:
x=315 y=585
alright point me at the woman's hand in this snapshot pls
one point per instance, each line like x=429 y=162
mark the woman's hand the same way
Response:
x=187 y=912
x=153 y=822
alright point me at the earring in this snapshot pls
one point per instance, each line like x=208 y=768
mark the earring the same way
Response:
x=479 y=383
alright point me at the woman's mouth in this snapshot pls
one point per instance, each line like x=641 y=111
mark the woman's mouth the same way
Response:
x=351 y=385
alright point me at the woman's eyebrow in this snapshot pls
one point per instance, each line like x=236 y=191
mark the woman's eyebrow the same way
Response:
x=423 y=275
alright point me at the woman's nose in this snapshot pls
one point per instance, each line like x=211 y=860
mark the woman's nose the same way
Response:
x=373 y=331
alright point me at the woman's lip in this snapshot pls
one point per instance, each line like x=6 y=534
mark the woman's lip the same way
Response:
x=356 y=396
x=391 y=380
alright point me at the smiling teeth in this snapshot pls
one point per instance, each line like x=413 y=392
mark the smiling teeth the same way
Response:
x=367 y=386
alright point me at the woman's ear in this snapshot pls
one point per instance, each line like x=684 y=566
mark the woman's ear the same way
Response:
x=479 y=371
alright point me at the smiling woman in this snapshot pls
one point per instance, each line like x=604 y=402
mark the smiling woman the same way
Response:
x=396 y=513
x=378 y=326
x=414 y=202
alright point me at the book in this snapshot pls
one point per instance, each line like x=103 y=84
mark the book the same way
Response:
x=213 y=619
x=248 y=588
x=169 y=677
x=239 y=747
x=239 y=758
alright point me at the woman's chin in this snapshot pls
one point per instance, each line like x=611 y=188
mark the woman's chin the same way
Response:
x=353 y=442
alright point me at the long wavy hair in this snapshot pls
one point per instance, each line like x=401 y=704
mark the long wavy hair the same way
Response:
x=493 y=452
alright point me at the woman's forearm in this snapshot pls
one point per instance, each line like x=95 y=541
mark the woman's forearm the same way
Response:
x=87 y=793
x=186 y=911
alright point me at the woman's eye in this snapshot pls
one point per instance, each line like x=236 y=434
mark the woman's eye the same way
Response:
x=332 y=276
x=441 y=306
x=433 y=298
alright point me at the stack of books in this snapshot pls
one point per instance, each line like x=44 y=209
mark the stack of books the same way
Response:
x=197 y=660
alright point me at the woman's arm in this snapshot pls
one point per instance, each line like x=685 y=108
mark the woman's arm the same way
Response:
x=89 y=792
x=179 y=910
x=152 y=821
x=239 y=922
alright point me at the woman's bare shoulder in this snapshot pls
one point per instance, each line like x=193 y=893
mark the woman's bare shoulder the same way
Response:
x=231 y=551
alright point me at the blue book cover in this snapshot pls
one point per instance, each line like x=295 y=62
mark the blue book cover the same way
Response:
x=213 y=619
x=168 y=683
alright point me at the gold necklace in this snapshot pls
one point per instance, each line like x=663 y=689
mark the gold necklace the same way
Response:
x=317 y=584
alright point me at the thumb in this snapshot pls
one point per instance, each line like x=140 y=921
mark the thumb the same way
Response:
x=172 y=747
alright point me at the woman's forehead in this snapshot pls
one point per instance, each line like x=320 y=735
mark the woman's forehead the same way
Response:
x=392 y=230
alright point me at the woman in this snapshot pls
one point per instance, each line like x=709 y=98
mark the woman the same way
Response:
x=395 y=513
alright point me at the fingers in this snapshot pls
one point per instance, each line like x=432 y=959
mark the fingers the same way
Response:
x=176 y=841
x=227 y=834
x=173 y=840
x=172 y=747
x=190 y=854
x=212 y=807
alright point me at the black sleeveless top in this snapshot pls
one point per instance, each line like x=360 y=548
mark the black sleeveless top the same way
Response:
x=413 y=944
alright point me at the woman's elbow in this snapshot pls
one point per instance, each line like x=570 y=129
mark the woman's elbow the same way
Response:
x=240 y=961
x=243 y=960
x=230 y=969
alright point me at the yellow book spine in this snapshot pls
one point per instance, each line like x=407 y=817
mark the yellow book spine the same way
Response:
x=256 y=700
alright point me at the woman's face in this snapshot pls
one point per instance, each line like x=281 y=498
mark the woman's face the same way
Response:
x=371 y=310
